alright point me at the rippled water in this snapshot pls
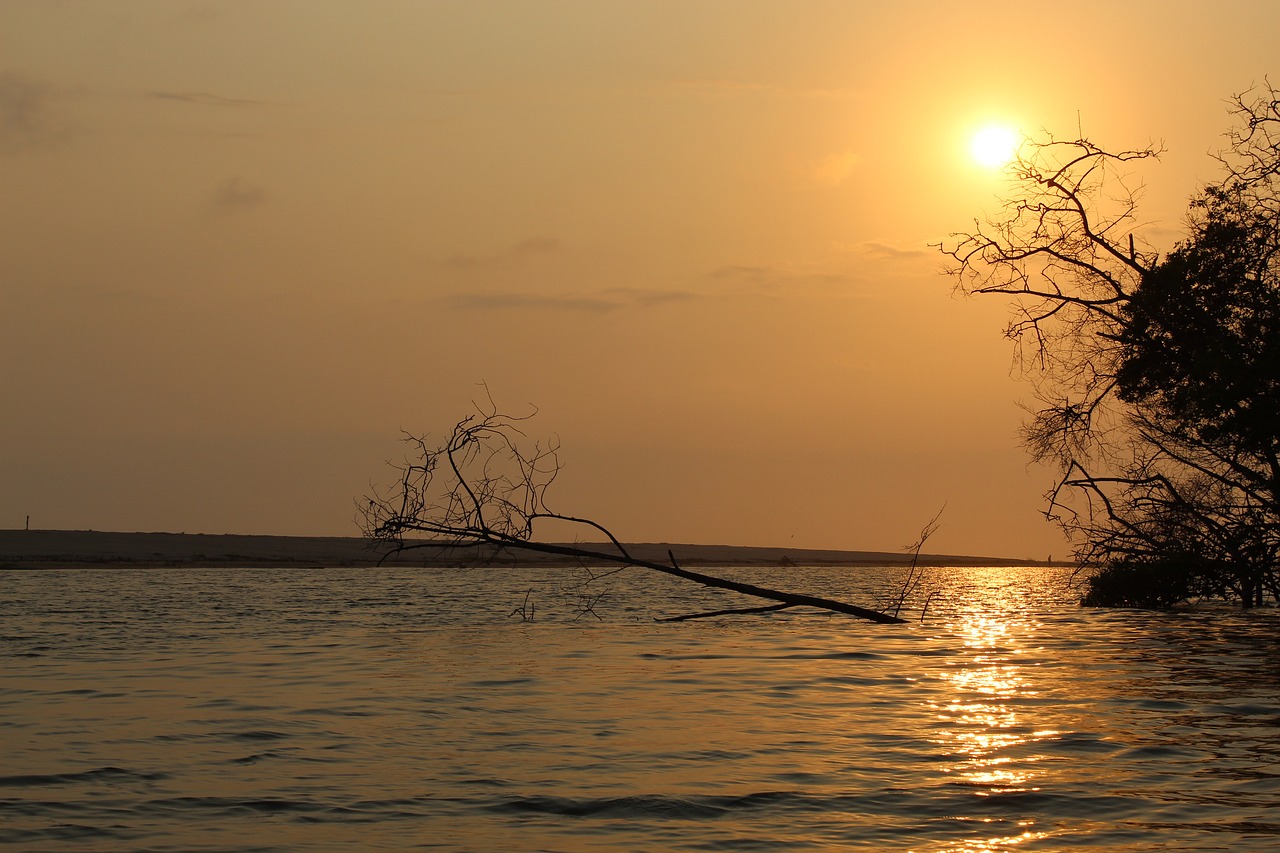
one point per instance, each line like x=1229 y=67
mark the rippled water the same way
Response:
x=401 y=709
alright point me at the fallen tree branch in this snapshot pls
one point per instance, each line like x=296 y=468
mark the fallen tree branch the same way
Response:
x=487 y=486
x=766 y=609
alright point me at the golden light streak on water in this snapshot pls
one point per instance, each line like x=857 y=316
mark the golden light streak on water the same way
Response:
x=984 y=722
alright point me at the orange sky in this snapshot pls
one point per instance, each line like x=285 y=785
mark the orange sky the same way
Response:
x=243 y=244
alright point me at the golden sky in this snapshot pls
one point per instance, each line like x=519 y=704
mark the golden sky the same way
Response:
x=244 y=244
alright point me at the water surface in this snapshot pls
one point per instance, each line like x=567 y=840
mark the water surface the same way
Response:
x=409 y=709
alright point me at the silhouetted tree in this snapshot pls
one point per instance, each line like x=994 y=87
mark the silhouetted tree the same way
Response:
x=1200 y=367
x=1157 y=380
x=485 y=490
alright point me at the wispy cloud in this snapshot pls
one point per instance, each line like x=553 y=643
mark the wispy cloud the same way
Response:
x=649 y=298
x=727 y=87
x=204 y=99
x=93 y=296
x=534 y=246
x=235 y=194
x=510 y=300
x=776 y=277
x=526 y=249
x=28 y=119
x=1161 y=236
x=742 y=272
x=834 y=169
x=598 y=302
x=886 y=251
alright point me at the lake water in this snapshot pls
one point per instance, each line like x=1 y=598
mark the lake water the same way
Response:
x=256 y=710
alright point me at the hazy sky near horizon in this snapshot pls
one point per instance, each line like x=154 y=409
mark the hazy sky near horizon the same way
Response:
x=244 y=244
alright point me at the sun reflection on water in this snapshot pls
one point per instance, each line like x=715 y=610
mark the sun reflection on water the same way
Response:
x=983 y=726
x=990 y=845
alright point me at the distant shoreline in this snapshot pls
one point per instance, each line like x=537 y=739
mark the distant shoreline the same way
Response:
x=71 y=549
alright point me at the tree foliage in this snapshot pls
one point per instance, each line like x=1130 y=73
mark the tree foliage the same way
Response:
x=1157 y=380
x=1201 y=343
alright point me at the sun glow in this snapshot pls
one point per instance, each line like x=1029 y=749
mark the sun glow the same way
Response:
x=994 y=145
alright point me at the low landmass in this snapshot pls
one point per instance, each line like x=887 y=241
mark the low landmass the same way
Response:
x=62 y=549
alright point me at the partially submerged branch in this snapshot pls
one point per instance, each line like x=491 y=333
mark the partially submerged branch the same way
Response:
x=487 y=486
x=768 y=608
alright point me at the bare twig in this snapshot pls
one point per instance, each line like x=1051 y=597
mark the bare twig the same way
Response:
x=487 y=485
x=914 y=573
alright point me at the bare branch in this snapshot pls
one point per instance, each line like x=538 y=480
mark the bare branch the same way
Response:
x=487 y=485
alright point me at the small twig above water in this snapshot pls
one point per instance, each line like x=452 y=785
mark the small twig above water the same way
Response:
x=915 y=574
x=526 y=609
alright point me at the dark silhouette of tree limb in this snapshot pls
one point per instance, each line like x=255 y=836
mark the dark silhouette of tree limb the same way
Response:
x=768 y=608
x=486 y=487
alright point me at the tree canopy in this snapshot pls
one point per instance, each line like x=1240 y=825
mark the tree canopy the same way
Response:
x=1157 y=380
x=1201 y=341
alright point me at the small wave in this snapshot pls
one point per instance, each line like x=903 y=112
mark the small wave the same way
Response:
x=308 y=811
x=223 y=703
x=261 y=734
x=501 y=682
x=707 y=656
x=1021 y=802
x=61 y=832
x=833 y=656
x=1242 y=709
x=1245 y=828
x=851 y=680
x=661 y=806
x=1079 y=742
x=101 y=774
x=1160 y=752
x=230 y=805
x=331 y=712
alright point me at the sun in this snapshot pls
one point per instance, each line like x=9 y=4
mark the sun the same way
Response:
x=994 y=145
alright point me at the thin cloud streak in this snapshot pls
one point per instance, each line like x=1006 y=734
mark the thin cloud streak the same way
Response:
x=531 y=247
x=600 y=302
x=886 y=251
x=490 y=301
x=835 y=169
x=27 y=117
x=651 y=298
x=728 y=87
x=204 y=99
x=235 y=194
x=776 y=278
